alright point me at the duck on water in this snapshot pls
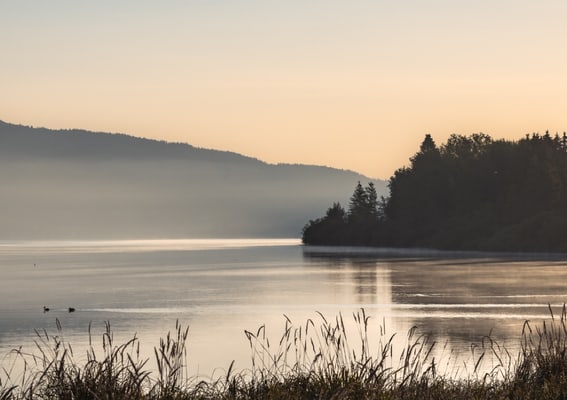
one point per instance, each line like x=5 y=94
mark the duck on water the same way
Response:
x=46 y=309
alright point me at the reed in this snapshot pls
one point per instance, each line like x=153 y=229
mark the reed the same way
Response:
x=318 y=359
x=543 y=360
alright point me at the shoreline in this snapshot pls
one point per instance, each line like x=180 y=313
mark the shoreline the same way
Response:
x=414 y=252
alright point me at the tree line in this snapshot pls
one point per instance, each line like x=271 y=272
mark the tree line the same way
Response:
x=471 y=193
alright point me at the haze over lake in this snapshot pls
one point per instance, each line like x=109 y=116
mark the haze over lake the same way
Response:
x=220 y=287
x=60 y=184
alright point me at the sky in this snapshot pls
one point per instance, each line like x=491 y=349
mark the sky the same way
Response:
x=349 y=84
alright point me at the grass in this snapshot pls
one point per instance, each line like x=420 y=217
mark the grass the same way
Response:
x=316 y=360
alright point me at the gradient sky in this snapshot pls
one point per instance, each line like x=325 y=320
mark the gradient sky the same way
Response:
x=349 y=84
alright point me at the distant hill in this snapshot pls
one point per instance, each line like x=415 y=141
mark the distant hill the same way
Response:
x=79 y=184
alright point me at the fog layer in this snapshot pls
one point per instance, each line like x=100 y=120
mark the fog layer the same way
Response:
x=78 y=184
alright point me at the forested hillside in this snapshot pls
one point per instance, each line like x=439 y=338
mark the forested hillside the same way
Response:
x=79 y=184
x=473 y=192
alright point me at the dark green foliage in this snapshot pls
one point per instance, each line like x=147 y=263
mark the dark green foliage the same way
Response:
x=472 y=193
x=358 y=203
x=329 y=229
x=359 y=225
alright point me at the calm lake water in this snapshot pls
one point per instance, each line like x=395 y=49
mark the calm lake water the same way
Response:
x=219 y=288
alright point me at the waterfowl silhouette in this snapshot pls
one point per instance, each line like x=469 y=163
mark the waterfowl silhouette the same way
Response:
x=71 y=309
x=45 y=309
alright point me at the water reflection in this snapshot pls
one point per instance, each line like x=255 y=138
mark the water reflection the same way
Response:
x=222 y=288
x=457 y=302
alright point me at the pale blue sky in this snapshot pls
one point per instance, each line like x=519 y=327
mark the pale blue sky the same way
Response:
x=349 y=84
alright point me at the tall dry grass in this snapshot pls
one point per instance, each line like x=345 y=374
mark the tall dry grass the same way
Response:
x=318 y=359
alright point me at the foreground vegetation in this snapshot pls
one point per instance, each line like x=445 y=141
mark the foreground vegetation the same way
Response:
x=311 y=361
x=471 y=193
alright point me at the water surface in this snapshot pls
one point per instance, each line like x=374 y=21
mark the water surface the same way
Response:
x=221 y=287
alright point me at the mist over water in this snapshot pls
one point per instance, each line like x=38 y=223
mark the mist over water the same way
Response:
x=79 y=184
x=219 y=288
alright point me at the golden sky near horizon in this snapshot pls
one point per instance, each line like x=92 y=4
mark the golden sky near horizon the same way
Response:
x=349 y=84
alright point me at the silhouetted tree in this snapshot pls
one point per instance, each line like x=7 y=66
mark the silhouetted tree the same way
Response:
x=473 y=192
x=327 y=230
x=428 y=145
x=358 y=205
x=336 y=213
x=372 y=200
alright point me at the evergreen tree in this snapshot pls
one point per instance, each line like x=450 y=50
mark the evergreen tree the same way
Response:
x=336 y=213
x=471 y=193
x=372 y=200
x=358 y=205
x=428 y=145
x=329 y=230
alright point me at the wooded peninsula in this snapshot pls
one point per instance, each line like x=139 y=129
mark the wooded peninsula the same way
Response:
x=471 y=193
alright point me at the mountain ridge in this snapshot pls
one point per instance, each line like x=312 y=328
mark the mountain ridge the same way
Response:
x=124 y=140
x=83 y=184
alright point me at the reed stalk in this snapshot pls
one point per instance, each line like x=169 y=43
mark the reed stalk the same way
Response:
x=319 y=359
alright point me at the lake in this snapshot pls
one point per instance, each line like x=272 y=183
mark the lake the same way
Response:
x=221 y=287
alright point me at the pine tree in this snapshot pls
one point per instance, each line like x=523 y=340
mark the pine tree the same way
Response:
x=358 y=205
x=336 y=213
x=427 y=145
x=372 y=200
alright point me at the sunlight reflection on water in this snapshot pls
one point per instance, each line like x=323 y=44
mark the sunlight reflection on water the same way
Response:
x=220 y=287
x=124 y=246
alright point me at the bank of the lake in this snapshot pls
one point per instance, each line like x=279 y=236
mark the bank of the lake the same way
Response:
x=311 y=361
x=427 y=253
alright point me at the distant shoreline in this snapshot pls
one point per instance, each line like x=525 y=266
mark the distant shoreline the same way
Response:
x=398 y=252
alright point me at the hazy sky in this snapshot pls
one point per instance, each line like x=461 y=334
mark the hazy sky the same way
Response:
x=350 y=84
